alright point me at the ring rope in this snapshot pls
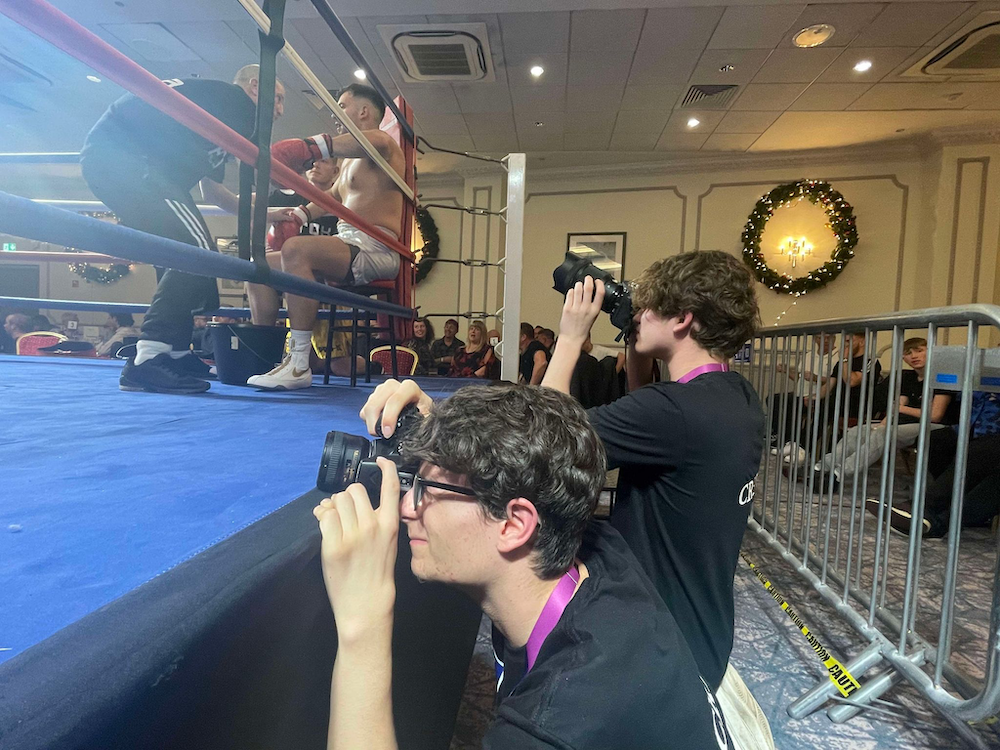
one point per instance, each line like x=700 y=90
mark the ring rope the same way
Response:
x=23 y=217
x=56 y=27
x=323 y=94
x=30 y=303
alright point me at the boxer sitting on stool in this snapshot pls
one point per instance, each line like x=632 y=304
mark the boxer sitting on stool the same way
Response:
x=352 y=256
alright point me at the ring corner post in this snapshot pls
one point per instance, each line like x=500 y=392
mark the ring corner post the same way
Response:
x=513 y=264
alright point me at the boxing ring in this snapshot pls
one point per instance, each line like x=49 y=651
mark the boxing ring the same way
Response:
x=159 y=556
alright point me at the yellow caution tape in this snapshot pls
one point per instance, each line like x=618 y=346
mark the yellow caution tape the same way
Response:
x=839 y=676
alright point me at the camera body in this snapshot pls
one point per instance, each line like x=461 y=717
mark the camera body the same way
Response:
x=349 y=459
x=617 y=296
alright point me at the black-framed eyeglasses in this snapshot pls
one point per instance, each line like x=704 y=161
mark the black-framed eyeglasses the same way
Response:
x=420 y=482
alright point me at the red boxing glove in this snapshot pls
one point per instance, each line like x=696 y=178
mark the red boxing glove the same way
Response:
x=299 y=154
x=280 y=231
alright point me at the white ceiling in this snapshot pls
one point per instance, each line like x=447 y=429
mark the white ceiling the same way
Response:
x=613 y=78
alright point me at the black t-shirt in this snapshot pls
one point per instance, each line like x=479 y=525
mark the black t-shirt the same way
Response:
x=911 y=386
x=180 y=154
x=857 y=365
x=615 y=672
x=688 y=454
x=324 y=225
x=528 y=359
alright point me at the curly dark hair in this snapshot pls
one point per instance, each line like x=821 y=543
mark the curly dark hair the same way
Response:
x=715 y=287
x=525 y=441
x=429 y=336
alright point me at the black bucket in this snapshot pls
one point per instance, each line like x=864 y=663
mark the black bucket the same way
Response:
x=243 y=350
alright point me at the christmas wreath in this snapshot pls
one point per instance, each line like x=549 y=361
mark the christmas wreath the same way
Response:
x=97 y=275
x=432 y=243
x=841 y=223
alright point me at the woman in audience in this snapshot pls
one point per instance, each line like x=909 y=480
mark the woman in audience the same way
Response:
x=423 y=335
x=473 y=360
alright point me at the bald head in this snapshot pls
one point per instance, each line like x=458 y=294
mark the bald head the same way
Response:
x=248 y=79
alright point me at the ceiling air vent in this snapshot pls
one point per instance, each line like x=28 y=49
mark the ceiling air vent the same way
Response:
x=709 y=96
x=429 y=52
x=972 y=51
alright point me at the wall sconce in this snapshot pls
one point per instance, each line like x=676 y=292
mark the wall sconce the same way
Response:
x=795 y=249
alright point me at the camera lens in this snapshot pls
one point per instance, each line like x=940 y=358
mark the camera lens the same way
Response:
x=617 y=296
x=342 y=454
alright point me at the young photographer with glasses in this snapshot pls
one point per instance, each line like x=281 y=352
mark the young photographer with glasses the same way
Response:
x=588 y=655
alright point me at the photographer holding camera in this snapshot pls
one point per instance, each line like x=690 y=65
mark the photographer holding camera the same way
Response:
x=688 y=450
x=502 y=485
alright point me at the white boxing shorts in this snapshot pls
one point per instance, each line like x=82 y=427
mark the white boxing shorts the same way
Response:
x=373 y=261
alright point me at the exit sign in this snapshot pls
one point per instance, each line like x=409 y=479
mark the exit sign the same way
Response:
x=9 y=247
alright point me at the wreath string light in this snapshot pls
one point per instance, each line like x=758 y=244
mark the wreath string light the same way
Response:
x=841 y=222
x=96 y=274
x=432 y=243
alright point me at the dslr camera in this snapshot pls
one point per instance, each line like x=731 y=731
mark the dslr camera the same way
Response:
x=617 y=296
x=349 y=459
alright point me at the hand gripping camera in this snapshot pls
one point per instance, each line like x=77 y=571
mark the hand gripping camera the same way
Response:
x=617 y=296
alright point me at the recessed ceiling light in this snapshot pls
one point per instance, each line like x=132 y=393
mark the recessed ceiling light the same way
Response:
x=94 y=79
x=360 y=74
x=694 y=122
x=537 y=70
x=863 y=66
x=813 y=36
x=727 y=68
x=539 y=123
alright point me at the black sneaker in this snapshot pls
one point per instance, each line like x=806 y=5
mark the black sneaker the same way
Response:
x=157 y=375
x=902 y=517
x=191 y=366
x=831 y=481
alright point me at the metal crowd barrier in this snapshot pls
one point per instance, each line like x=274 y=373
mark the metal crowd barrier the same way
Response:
x=872 y=578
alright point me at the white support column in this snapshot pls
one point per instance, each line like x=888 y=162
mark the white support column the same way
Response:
x=512 y=264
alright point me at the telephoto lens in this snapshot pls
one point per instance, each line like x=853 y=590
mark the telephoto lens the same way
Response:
x=349 y=459
x=617 y=297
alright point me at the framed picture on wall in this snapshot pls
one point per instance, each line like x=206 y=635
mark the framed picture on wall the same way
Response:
x=606 y=250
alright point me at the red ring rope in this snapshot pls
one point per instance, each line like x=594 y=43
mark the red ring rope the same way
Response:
x=62 y=31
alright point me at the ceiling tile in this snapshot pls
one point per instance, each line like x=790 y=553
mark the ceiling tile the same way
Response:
x=746 y=122
x=796 y=65
x=438 y=98
x=753 y=26
x=435 y=123
x=884 y=60
x=984 y=95
x=496 y=123
x=729 y=142
x=519 y=69
x=659 y=65
x=641 y=121
x=848 y=20
x=594 y=121
x=500 y=142
x=626 y=141
x=901 y=96
x=745 y=62
x=553 y=121
x=526 y=33
x=768 y=96
x=597 y=141
x=605 y=30
x=607 y=69
x=483 y=97
x=709 y=120
x=453 y=142
x=679 y=28
x=538 y=97
x=907 y=24
x=829 y=96
x=681 y=141
x=651 y=97
x=594 y=98
x=214 y=41
x=531 y=141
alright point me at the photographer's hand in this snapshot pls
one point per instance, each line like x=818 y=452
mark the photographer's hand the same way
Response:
x=387 y=402
x=359 y=561
x=582 y=306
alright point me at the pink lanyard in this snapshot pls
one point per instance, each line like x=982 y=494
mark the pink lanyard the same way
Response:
x=712 y=367
x=551 y=612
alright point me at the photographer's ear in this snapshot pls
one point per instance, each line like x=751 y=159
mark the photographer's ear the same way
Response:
x=682 y=324
x=518 y=529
